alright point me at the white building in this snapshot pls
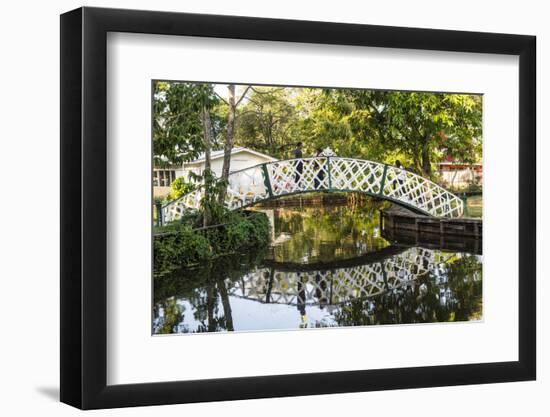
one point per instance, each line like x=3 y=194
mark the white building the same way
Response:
x=459 y=174
x=241 y=158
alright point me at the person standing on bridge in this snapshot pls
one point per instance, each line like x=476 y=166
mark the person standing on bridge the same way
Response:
x=320 y=173
x=299 y=164
x=400 y=177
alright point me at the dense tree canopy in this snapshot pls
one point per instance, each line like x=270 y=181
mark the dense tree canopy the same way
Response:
x=421 y=126
x=267 y=121
x=178 y=134
x=418 y=128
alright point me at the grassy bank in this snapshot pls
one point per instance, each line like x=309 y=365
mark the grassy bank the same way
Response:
x=182 y=244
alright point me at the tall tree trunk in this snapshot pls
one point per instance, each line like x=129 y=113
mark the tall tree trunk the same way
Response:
x=207 y=138
x=416 y=154
x=417 y=164
x=228 y=141
x=426 y=163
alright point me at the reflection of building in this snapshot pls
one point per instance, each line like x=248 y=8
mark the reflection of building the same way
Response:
x=459 y=174
x=241 y=158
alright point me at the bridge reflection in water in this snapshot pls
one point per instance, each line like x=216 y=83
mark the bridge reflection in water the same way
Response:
x=392 y=285
x=317 y=284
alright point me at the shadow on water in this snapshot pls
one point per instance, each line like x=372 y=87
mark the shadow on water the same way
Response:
x=326 y=267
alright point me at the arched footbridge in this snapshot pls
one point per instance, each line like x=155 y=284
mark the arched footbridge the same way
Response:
x=280 y=178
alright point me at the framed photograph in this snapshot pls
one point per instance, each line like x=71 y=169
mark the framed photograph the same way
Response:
x=256 y=208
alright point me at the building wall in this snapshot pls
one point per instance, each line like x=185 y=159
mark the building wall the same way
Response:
x=159 y=189
x=460 y=177
x=161 y=192
x=241 y=160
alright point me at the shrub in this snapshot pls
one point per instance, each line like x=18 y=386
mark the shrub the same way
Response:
x=245 y=230
x=178 y=245
x=179 y=188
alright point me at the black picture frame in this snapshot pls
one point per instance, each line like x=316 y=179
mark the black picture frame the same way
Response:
x=84 y=207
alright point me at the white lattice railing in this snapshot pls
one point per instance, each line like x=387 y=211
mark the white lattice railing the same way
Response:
x=279 y=178
x=336 y=286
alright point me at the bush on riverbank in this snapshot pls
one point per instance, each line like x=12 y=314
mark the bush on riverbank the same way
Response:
x=179 y=244
x=245 y=231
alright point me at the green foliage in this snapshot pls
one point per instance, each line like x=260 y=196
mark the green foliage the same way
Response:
x=325 y=124
x=179 y=188
x=181 y=283
x=177 y=245
x=239 y=231
x=204 y=286
x=323 y=230
x=248 y=231
x=420 y=126
x=180 y=246
x=267 y=120
x=418 y=306
x=209 y=202
x=173 y=313
x=177 y=123
x=416 y=128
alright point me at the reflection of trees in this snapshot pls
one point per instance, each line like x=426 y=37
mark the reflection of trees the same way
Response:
x=226 y=306
x=328 y=232
x=203 y=288
x=172 y=314
x=450 y=292
x=205 y=308
x=415 y=286
x=467 y=292
x=347 y=274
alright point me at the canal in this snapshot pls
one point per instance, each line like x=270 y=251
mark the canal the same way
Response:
x=327 y=266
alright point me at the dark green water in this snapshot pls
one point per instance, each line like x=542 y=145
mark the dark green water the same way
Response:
x=326 y=267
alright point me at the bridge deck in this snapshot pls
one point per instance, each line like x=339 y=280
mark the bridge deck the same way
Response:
x=276 y=179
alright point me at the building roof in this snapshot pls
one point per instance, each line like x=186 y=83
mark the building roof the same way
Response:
x=450 y=163
x=219 y=154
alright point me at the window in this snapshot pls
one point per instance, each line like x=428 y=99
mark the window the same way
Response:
x=163 y=177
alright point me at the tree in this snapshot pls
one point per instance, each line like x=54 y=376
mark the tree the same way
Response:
x=420 y=125
x=208 y=177
x=178 y=122
x=417 y=128
x=267 y=120
x=232 y=104
x=324 y=123
x=183 y=129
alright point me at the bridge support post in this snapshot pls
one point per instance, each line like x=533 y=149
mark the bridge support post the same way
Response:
x=329 y=174
x=267 y=181
x=384 y=275
x=383 y=180
x=160 y=221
